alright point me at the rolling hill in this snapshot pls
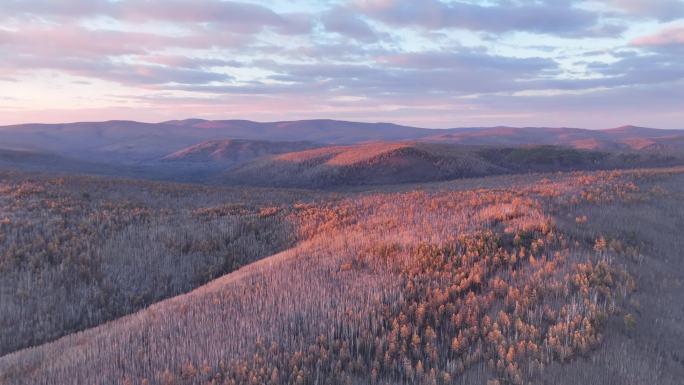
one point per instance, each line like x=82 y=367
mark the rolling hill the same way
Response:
x=495 y=285
x=411 y=162
x=222 y=153
x=621 y=138
x=113 y=141
x=136 y=142
x=364 y=164
x=319 y=130
x=324 y=153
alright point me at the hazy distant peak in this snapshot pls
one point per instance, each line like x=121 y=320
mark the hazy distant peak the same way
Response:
x=184 y=122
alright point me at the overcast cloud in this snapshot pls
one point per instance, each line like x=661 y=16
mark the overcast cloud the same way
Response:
x=436 y=63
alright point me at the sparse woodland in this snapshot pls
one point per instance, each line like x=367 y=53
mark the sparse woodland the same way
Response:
x=516 y=281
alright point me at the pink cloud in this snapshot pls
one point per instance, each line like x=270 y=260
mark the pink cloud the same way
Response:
x=362 y=60
x=72 y=40
x=660 y=9
x=666 y=37
x=187 y=62
x=234 y=17
x=560 y=18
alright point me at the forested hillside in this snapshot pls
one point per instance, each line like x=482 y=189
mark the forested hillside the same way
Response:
x=78 y=251
x=413 y=162
x=518 y=280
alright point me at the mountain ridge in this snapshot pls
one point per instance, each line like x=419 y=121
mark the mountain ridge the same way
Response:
x=198 y=147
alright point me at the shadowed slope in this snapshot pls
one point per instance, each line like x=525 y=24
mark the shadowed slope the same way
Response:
x=46 y=162
x=319 y=130
x=76 y=252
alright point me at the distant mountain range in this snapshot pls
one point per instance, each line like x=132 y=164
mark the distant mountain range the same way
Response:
x=318 y=152
x=129 y=141
x=135 y=141
x=621 y=138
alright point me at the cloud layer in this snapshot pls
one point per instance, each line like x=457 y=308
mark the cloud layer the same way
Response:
x=434 y=63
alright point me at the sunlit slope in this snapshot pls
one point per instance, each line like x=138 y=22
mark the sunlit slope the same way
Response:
x=375 y=163
x=386 y=163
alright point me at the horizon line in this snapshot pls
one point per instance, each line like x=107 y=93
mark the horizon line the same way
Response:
x=332 y=120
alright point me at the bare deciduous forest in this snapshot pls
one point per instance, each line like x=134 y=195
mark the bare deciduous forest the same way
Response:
x=77 y=252
x=560 y=278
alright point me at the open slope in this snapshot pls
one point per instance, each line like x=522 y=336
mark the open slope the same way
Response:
x=442 y=287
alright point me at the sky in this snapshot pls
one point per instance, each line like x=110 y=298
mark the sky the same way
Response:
x=427 y=63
